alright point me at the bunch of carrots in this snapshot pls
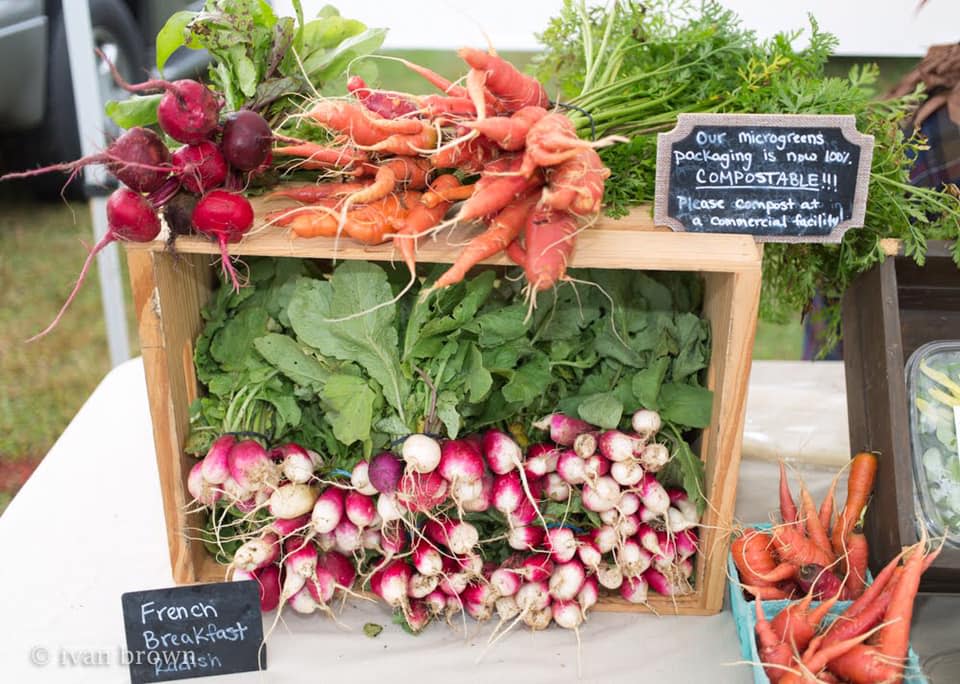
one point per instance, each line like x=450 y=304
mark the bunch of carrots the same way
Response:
x=813 y=550
x=401 y=162
x=867 y=643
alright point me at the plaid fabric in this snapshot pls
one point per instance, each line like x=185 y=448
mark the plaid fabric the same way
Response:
x=941 y=163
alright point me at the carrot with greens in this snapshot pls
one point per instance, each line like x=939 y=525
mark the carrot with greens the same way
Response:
x=576 y=185
x=863 y=472
x=499 y=184
x=502 y=230
x=508 y=132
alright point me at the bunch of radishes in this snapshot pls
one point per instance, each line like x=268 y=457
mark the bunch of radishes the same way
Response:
x=404 y=524
x=208 y=167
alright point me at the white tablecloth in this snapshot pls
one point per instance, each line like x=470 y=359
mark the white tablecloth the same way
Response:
x=88 y=526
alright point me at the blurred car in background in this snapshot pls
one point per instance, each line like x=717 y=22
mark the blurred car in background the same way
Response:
x=38 y=123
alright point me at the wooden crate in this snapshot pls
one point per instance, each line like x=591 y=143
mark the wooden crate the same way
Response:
x=169 y=292
x=888 y=313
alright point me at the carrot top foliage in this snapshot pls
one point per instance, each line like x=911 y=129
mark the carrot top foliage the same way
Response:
x=634 y=67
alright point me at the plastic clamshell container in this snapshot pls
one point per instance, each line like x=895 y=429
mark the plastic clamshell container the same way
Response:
x=933 y=395
x=745 y=619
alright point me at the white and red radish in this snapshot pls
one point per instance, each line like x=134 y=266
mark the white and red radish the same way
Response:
x=296 y=462
x=585 y=445
x=360 y=479
x=300 y=557
x=653 y=495
x=629 y=504
x=533 y=596
x=479 y=600
x=541 y=459
x=628 y=525
x=571 y=468
x=284 y=527
x=595 y=466
x=388 y=509
x=609 y=575
x=686 y=542
x=567 y=613
x=460 y=461
x=627 y=473
x=501 y=452
x=460 y=537
x=426 y=558
x=555 y=488
x=327 y=510
x=359 y=508
x=654 y=457
x=251 y=466
x=200 y=489
x=506 y=581
x=371 y=539
x=347 y=537
x=561 y=543
x=538 y=619
x=216 y=469
x=632 y=558
x=566 y=580
x=537 y=567
x=436 y=602
x=508 y=492
x=390 y=583
x=321 y=586
x=662 y=584
x=617 y=446
x=589 y=593
x=564 y=430
x=421 y=586
x=268 y=581
x=588 y=553
x=525 y=537
x=338 y=565
x=634 y=589
x=419 y=492
x=645 y=423
x=257 y=553
x=421 y=453
x=605 y=537
x=301 y=601
x=507 y=608
x=292 y=500
x=603 y=495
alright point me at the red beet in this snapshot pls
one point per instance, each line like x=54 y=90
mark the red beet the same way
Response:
x=224 y=216
x=246 y=140
x=138 y=159
x=201 y=166
x=129 y=217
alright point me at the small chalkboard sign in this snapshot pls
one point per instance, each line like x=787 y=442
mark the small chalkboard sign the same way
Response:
x=783 y=178
x=193 y=631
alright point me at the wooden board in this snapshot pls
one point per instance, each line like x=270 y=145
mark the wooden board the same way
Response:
x=169 y=292
x=888 y=312
x=608 y=244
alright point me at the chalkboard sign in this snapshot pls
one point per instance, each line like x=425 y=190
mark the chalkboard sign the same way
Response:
x=786 y=178
x=194 y=631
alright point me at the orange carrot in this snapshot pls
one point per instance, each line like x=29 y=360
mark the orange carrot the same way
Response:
x=854 y=563
x=752 y=555
x=551 y=141
x=350 y=119
x=368 y=223
x=470 y=155
x=773 y=650
x=788 y=509
x=793 y=547
x=514 y=88
x=322 y=155
x=284 y=217
x=502 y=231
x=443 y=106
x=792 y=624
x=313 y=192
x=420 y=218
x=498 y=186
x=436 y=196
x=826 y=506
x=811 y=521
x=549 y=238
x=863 y=472
x=576 y=185
x=509 y=132
x=476 y=84
x=894 y=639
x=435 y=79
x=409 y=144
x=768 y=592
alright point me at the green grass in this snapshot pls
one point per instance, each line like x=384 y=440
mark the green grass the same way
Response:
x=44 y=383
